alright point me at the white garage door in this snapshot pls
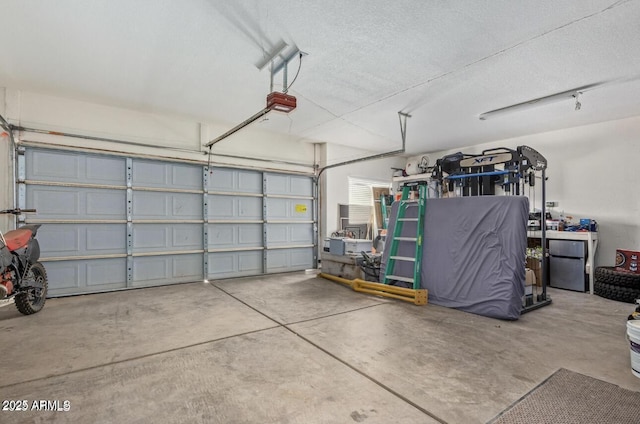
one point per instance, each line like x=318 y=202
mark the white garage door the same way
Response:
x=113 y=222
x=259 y=223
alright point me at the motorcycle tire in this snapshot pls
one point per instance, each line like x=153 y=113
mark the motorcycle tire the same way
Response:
x=621 y=294
x=33 y=300
x=609 y=275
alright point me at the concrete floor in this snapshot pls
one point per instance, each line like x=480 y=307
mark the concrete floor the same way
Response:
x=294 y=348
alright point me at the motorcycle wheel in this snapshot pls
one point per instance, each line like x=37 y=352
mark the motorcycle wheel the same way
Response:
x=33 y=299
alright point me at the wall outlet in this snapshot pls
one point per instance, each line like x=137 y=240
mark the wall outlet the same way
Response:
x=551 y=204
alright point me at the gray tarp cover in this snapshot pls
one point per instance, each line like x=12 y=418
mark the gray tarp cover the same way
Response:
x=473 y=254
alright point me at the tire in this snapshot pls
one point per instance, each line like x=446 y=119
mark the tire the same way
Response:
x=613 y=292
x=33 y=300
x=608 y=275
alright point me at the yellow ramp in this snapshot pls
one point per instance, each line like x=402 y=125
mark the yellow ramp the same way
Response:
x=417 y=297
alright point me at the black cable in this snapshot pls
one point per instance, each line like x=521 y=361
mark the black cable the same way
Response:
x=5 y=125
x=297 y=73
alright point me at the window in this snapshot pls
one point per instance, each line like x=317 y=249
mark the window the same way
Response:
x=361 y=200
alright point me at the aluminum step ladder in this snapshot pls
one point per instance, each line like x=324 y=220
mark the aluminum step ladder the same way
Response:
x=417 y=241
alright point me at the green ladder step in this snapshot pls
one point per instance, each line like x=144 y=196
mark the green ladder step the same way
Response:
x=401 y=278
x=397 y=237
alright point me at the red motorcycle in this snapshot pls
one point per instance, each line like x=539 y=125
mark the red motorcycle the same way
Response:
x=23 y=280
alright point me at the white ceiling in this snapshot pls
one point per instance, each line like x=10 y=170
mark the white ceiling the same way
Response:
x=445 y=62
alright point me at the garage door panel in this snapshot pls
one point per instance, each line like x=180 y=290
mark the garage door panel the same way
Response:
x=186 y=206
x=221 y=180
x=221 y=235
x=301 y=258
x=221 y=207
x=106 y=272
x=277 y=234
x=250 y=182
x=223 y=264
x=187 y=237
x=104 y=170
x=55 y=202
x=150 y=205
x=276 y=184
x=289 y=209
x=300 y=186
x=162 y=175
x=150 y=269
x=81 y=276
x=163 y=237
x=289 y=234
x=278 y=209
x=59 y=240
x=166 y=269
x=187 y=267
x=53 y=166
x=282 y=260
x=76 y=203
x=149 y=237
x=64 y=276
x=186 y=176
x=301 y=234
x=106 y=238
x=250 y=235
x=234 y=264
x=249 y=207
x=235 y=235
x=156 y=205
x=58 y=166
x=235 y=180
x=110 y=202
x=250 y=262
x=148 y=174
x=277 y=260
x=288 y=185
x=234 y=207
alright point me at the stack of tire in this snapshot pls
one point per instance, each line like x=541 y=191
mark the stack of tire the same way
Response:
x=616 y=285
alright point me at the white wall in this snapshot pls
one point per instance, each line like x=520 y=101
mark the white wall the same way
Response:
x=334 y=183
x=593 y=173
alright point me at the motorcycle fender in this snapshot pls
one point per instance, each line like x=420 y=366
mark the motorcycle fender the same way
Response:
x=33 y=250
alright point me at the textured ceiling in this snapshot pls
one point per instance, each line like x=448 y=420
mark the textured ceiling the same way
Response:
x=445 y=62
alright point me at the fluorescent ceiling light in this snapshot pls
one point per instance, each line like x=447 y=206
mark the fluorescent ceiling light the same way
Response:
x=565 y=95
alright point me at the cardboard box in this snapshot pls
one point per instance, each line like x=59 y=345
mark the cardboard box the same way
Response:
x=530 y=277
x=529 y=282
x=534 y=265
x=627 y=261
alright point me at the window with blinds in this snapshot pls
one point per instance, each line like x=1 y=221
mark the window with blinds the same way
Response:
x=361 y=199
